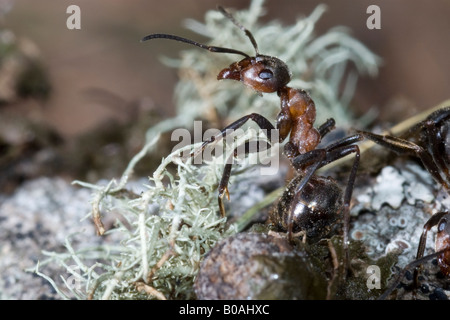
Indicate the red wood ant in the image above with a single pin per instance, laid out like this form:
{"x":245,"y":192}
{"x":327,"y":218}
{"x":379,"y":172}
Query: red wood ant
{"x":266,"y":74}
{"x":310,"y":202}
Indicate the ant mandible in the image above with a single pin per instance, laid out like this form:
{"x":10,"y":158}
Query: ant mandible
{"x":267,"y":74}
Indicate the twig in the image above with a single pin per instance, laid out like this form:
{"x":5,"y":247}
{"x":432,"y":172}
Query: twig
{"x":335,"y":261}
{"x":159,"y":264}
{"x":141,"y":286}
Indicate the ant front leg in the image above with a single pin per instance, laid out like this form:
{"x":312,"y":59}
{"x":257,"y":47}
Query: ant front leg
{"x":223,"y":185}
{"x":260,"y":120}
{"x":263,"y":123}
{"x":326,"y":127}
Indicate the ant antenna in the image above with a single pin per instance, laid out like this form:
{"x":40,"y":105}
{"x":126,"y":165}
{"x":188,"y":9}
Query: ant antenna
{"x":240,"y":26}
{"x":200,"y":45}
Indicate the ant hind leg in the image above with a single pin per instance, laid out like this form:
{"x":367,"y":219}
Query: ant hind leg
{"x":402,"y":146}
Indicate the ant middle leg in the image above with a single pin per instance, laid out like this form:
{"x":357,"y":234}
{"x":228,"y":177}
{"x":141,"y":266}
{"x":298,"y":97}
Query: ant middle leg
{"x":442,"y":247}
{"x":310,"y":162}
{"x":263,"y":124}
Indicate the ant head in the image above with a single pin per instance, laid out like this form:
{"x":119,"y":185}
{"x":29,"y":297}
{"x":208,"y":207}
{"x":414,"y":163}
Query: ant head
{"x":261,"y":73}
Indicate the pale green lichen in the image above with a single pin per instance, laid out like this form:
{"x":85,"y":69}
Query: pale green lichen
{"x":163,"y":233}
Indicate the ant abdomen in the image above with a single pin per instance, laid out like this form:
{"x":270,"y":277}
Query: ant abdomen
{"x":315,"y":209}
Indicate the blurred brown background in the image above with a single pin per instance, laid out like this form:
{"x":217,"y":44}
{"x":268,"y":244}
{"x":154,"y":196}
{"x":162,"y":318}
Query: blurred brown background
{"x":106,"y":54}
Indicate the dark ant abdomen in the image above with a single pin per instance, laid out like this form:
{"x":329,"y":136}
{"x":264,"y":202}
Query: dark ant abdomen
{"x":315,"y":209}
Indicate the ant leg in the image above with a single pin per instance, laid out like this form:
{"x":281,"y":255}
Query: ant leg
{"x":321,"y":157}
{"x":308,"y":158}
{"x":342,"y":152}
{"x":435,"y":138}
{"x":223,"y":185}
{"x":434,"y":220}
{"x":402,"y":146}
{"x":317,"y":158}
{"x":413,"y":264}
{"x":260,"y":120}
{"x":326,"y":127}
{"x":264,"y":124}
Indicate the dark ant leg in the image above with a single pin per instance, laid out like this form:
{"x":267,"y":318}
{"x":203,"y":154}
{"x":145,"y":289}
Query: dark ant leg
{"x":413,"y":264}
{"x":326,"y":127}
{"x":323,"y":157}
{"x":260,"y":120}
{"x":434,"y":220}
{"x":319,"y":158}
{"x":435,"y":138}
{"x":263,"y":123}
{"x":442,"y":247}
{"x":402,"y":146}
{"x":308,"y":158}
{"x":223,"y":185}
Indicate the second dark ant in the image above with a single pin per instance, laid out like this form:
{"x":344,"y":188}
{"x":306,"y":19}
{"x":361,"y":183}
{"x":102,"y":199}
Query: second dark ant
{"x":311,"y":203}
{"x":434,"y":132}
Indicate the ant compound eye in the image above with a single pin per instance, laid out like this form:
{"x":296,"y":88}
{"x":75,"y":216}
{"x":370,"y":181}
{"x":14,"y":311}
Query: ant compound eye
{"x":266,"y":74}
{"x":442,"y":225}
